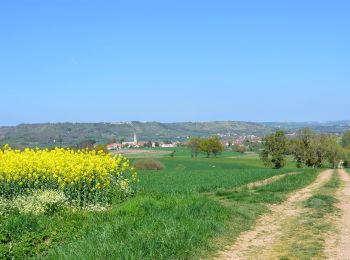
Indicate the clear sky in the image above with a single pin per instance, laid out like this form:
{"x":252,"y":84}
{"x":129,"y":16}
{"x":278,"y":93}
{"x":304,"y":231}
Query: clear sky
{"x":183,"y":60}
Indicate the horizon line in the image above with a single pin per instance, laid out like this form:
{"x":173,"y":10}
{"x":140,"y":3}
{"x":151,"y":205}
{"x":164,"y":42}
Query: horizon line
{"x":174,"y":122}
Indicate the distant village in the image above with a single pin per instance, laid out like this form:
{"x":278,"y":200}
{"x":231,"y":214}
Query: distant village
{"x":138,"y":144}
{"x":244,"y":141}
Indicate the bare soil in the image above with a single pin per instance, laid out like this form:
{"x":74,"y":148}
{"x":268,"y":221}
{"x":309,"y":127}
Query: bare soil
{"x":338,"y":243}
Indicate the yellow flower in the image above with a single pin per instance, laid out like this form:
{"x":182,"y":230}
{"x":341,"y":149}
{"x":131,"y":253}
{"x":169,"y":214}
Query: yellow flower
{"x":77,"y":172}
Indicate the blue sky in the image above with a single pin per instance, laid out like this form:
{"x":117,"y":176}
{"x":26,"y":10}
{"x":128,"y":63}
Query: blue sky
{"x":93,"y":61}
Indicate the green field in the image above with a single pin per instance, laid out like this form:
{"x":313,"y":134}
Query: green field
{"x":180,"y":212}
{"x":186,"y":175}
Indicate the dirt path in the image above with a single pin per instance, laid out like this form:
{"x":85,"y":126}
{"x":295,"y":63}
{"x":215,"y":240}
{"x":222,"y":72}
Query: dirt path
{"x":264,"y":182}
{"x":343,"y":251}
{"x":255,"y":244}
{"x":339,"y":247}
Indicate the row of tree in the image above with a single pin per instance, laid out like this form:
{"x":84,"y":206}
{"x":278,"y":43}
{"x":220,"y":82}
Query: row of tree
{"x":210,"y":146}
{"x":308,"y":149}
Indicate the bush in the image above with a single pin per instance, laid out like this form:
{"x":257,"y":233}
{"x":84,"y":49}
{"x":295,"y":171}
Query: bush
{"x":148,"y":164}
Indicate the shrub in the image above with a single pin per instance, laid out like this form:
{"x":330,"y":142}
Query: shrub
{"x":148,"y":164}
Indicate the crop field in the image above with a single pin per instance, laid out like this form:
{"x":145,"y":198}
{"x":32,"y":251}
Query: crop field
{"x":204,"y":175}
{"x":191,"y":209}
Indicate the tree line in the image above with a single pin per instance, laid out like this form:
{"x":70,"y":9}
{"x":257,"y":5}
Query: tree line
{"x":210,"y":146}
{"x":307,"y":148}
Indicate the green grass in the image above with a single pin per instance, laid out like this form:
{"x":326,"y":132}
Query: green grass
{"x":25,"y":235}
{"x":275,"y":192}
{"x":201,"y":181}
{"x":184,"y":152}
{"x":186,"y":174}
{"x":171,"y":217}
{"x":149,"y":227}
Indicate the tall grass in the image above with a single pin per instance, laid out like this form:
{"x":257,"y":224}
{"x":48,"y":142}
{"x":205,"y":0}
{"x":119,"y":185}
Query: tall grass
{"x":149,"y":227}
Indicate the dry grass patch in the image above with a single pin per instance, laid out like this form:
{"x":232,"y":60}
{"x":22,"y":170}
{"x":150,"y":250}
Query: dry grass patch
{"x":148,"y":164}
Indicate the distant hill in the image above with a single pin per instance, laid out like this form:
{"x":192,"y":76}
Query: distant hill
{"x":42,"y":135}
{"x":333,"y":127}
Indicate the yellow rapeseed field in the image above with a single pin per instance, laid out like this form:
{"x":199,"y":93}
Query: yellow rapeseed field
{"x":84,"y":176}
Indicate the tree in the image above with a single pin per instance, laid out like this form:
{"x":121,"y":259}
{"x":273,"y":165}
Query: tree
{"x":239,"y":148}
{"x":205,"y":147}
{"x":304,"y":148}
{"x":215,"y":145}
{"x":252,"y":146}
{"x":274,"y":151}
{"x":313,"y":150}
{"x":193,"y":145}
{"x":334,"y":152}
{"x":346,"y":140}
{"x":211,"y":145}
{"x":321,"y":149}
{"x":346,"y":159}
{"x":148,"y":144}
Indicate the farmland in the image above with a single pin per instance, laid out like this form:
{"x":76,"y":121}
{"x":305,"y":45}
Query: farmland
{"x":191,"y":209}
{"x":174,"y":130}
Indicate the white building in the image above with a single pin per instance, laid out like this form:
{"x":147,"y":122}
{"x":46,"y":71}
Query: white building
{"x":134,"y":143}
{"x":168,"y":145}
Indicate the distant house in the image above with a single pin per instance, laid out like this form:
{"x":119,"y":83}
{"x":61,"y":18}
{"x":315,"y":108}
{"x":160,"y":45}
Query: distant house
{"x":163,"y":145}
{"x":137,"y":145}
{"x":114,"y":146}
{"x":140,"y":144}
